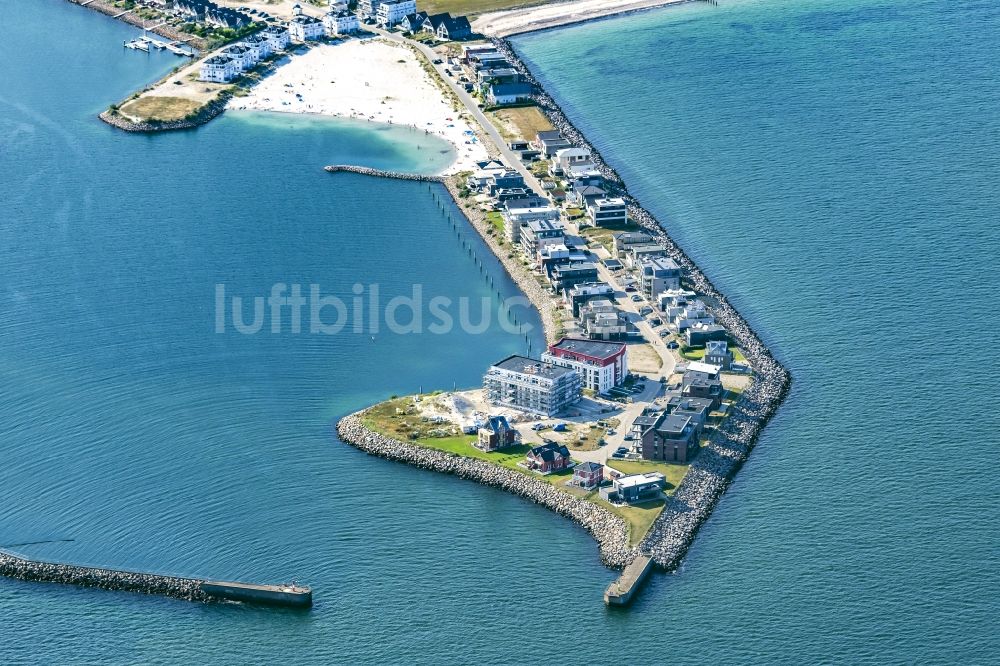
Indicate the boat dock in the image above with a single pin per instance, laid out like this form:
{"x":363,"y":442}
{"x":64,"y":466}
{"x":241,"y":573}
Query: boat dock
{"x":177,"y":587}
{"x":621,"y":592}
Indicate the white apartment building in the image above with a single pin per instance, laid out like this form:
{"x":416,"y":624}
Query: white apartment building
{"x":218,"y":69}
{"x":304,"y":28}
{"x":391,"y":12}
{"x":340,"y":23}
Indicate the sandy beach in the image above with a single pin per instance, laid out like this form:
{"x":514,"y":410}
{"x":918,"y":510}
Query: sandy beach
{"x":540,"y":17}
{"x":367,"y":79}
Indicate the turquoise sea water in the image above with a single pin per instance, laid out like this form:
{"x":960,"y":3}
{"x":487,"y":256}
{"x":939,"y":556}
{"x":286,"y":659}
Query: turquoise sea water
{"x":831,"y":165}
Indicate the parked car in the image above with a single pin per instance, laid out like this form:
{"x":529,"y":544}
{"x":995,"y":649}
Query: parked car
{"x":636,"y":298}
{"x":655,"y":321}
{"x":672,"y":344}
{"x":646,"y":310}
{"x":629,"y":437}
{"x":559,"y":427}
{"x":618,"y":456}
{"x":621,"y":449}
{"x":630,"y":288}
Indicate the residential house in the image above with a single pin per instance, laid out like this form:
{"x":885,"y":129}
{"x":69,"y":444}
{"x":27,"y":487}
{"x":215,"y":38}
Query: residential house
{"x":218,"y":69}
{"x":340,"y":23}
{"x":532,"y":386}
{"x":507,"y":193}
{"x":260,"y":45}
{"x":635,"y":488}
{"x":699,"y":335}
{"x":483,"y":172}
{"x":602,"y":320}
{"x":636,"y":254}
{"x":445,"y":26}
{"x":697,"y":409}
{"x":607,"y":211}
{"x":683,"y":317}
{"x":585,"y":195}
{"x":626,"y":239}
{"x":518,"y":212}
{"x":536,"y":234}
{"x":495,"y":434}
{"x":549,"y":142}
{"x":548,"y":458}
{"x":392,"y":12}
{"x":717,"y":353}
{"x":568,"y":161}
{"x":672,"y":438}
{"x":304,"y":28}
{"x":471,"y":51}
{"x":695,"y":384}
{"x":657,"y":275}
{"x":277,"y":36}
{"x":566,"y":276}
{"x":243,"y":58}
{"x":602,"y":365}
{"x":413,"y":22}
{"x":368,"y":10}
{"x":588,"y":474}
{"x":503,"y":180}
{"x":588,"y":291}
{"x":502,"y":94}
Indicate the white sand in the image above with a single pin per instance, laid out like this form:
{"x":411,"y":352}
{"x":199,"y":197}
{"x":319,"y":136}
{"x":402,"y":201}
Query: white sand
{"x":538,"y":17}
{"x":365,"y":79}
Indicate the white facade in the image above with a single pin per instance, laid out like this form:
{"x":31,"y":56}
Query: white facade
{"x":392,"y":12}
{"x":218,"y":69}
{"x":573,"y":160}
{"x":260,"y":45}
{"x":242,"y":57}
{"x":305,"y":28}
{"x":278,"y":37}
{"x":340,"y":23}
{"x":608,"y":211}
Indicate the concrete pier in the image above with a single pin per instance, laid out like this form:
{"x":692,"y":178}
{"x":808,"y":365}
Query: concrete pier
{"x":621,"y":592}
{"x":189,"y":589}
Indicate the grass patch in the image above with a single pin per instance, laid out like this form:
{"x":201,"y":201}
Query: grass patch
{"x":673,"y":473}
{"x":158,"y":108}
{"x":496,"y":221}
{"x":407,"y":425}
{"x":692,"y":354}
{"x":473,"y":7}
{"x":525,"y":122}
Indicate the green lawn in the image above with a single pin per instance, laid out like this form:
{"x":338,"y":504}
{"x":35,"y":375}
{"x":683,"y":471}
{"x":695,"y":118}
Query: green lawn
{"x":692,"y":354}
{"x":496,"y":221}
{"x":674,"y":473}
{"x":383,"y":418}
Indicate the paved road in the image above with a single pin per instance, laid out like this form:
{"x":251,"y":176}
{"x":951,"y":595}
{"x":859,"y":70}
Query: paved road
{"x":511,"y":158}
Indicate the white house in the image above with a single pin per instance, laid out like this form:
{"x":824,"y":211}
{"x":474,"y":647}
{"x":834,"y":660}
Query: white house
{"x":260,"y":45}
{"x":500,"y":94}
{"x":391,"y":12}
{"x":243,"y":58}
{"x":338,"y":6}
{"x":608,"y":211}
{"x":572,"y":160}
{"x":218,"y":69}
{"x":304,"y":28}
{"x":277,"y":36}
{"x":340,"y":23}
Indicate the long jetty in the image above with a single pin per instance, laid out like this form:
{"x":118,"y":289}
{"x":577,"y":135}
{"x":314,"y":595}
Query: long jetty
{"x":176,"y":587}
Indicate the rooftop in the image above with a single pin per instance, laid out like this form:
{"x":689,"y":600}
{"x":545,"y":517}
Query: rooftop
{"x":531,"y":366}
{"x":592,"y":348}
{"x":640,"y":479}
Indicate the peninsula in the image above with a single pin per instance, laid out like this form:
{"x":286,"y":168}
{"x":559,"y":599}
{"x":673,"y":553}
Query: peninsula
{"x":652,"y":389}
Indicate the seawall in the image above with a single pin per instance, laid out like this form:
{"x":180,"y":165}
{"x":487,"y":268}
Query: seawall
{"x":176,"y":587}
{"x":716,"y":465}
{"x":205,"y":114}
{"x":610,"y":531}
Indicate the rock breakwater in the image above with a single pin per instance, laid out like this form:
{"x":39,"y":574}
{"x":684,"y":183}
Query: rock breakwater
{"x":202,"y":116}
{"x":20,"y":568}
{"x":731,"y":444}
{"x":610,"y":531}
{"x":381,"y":173}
